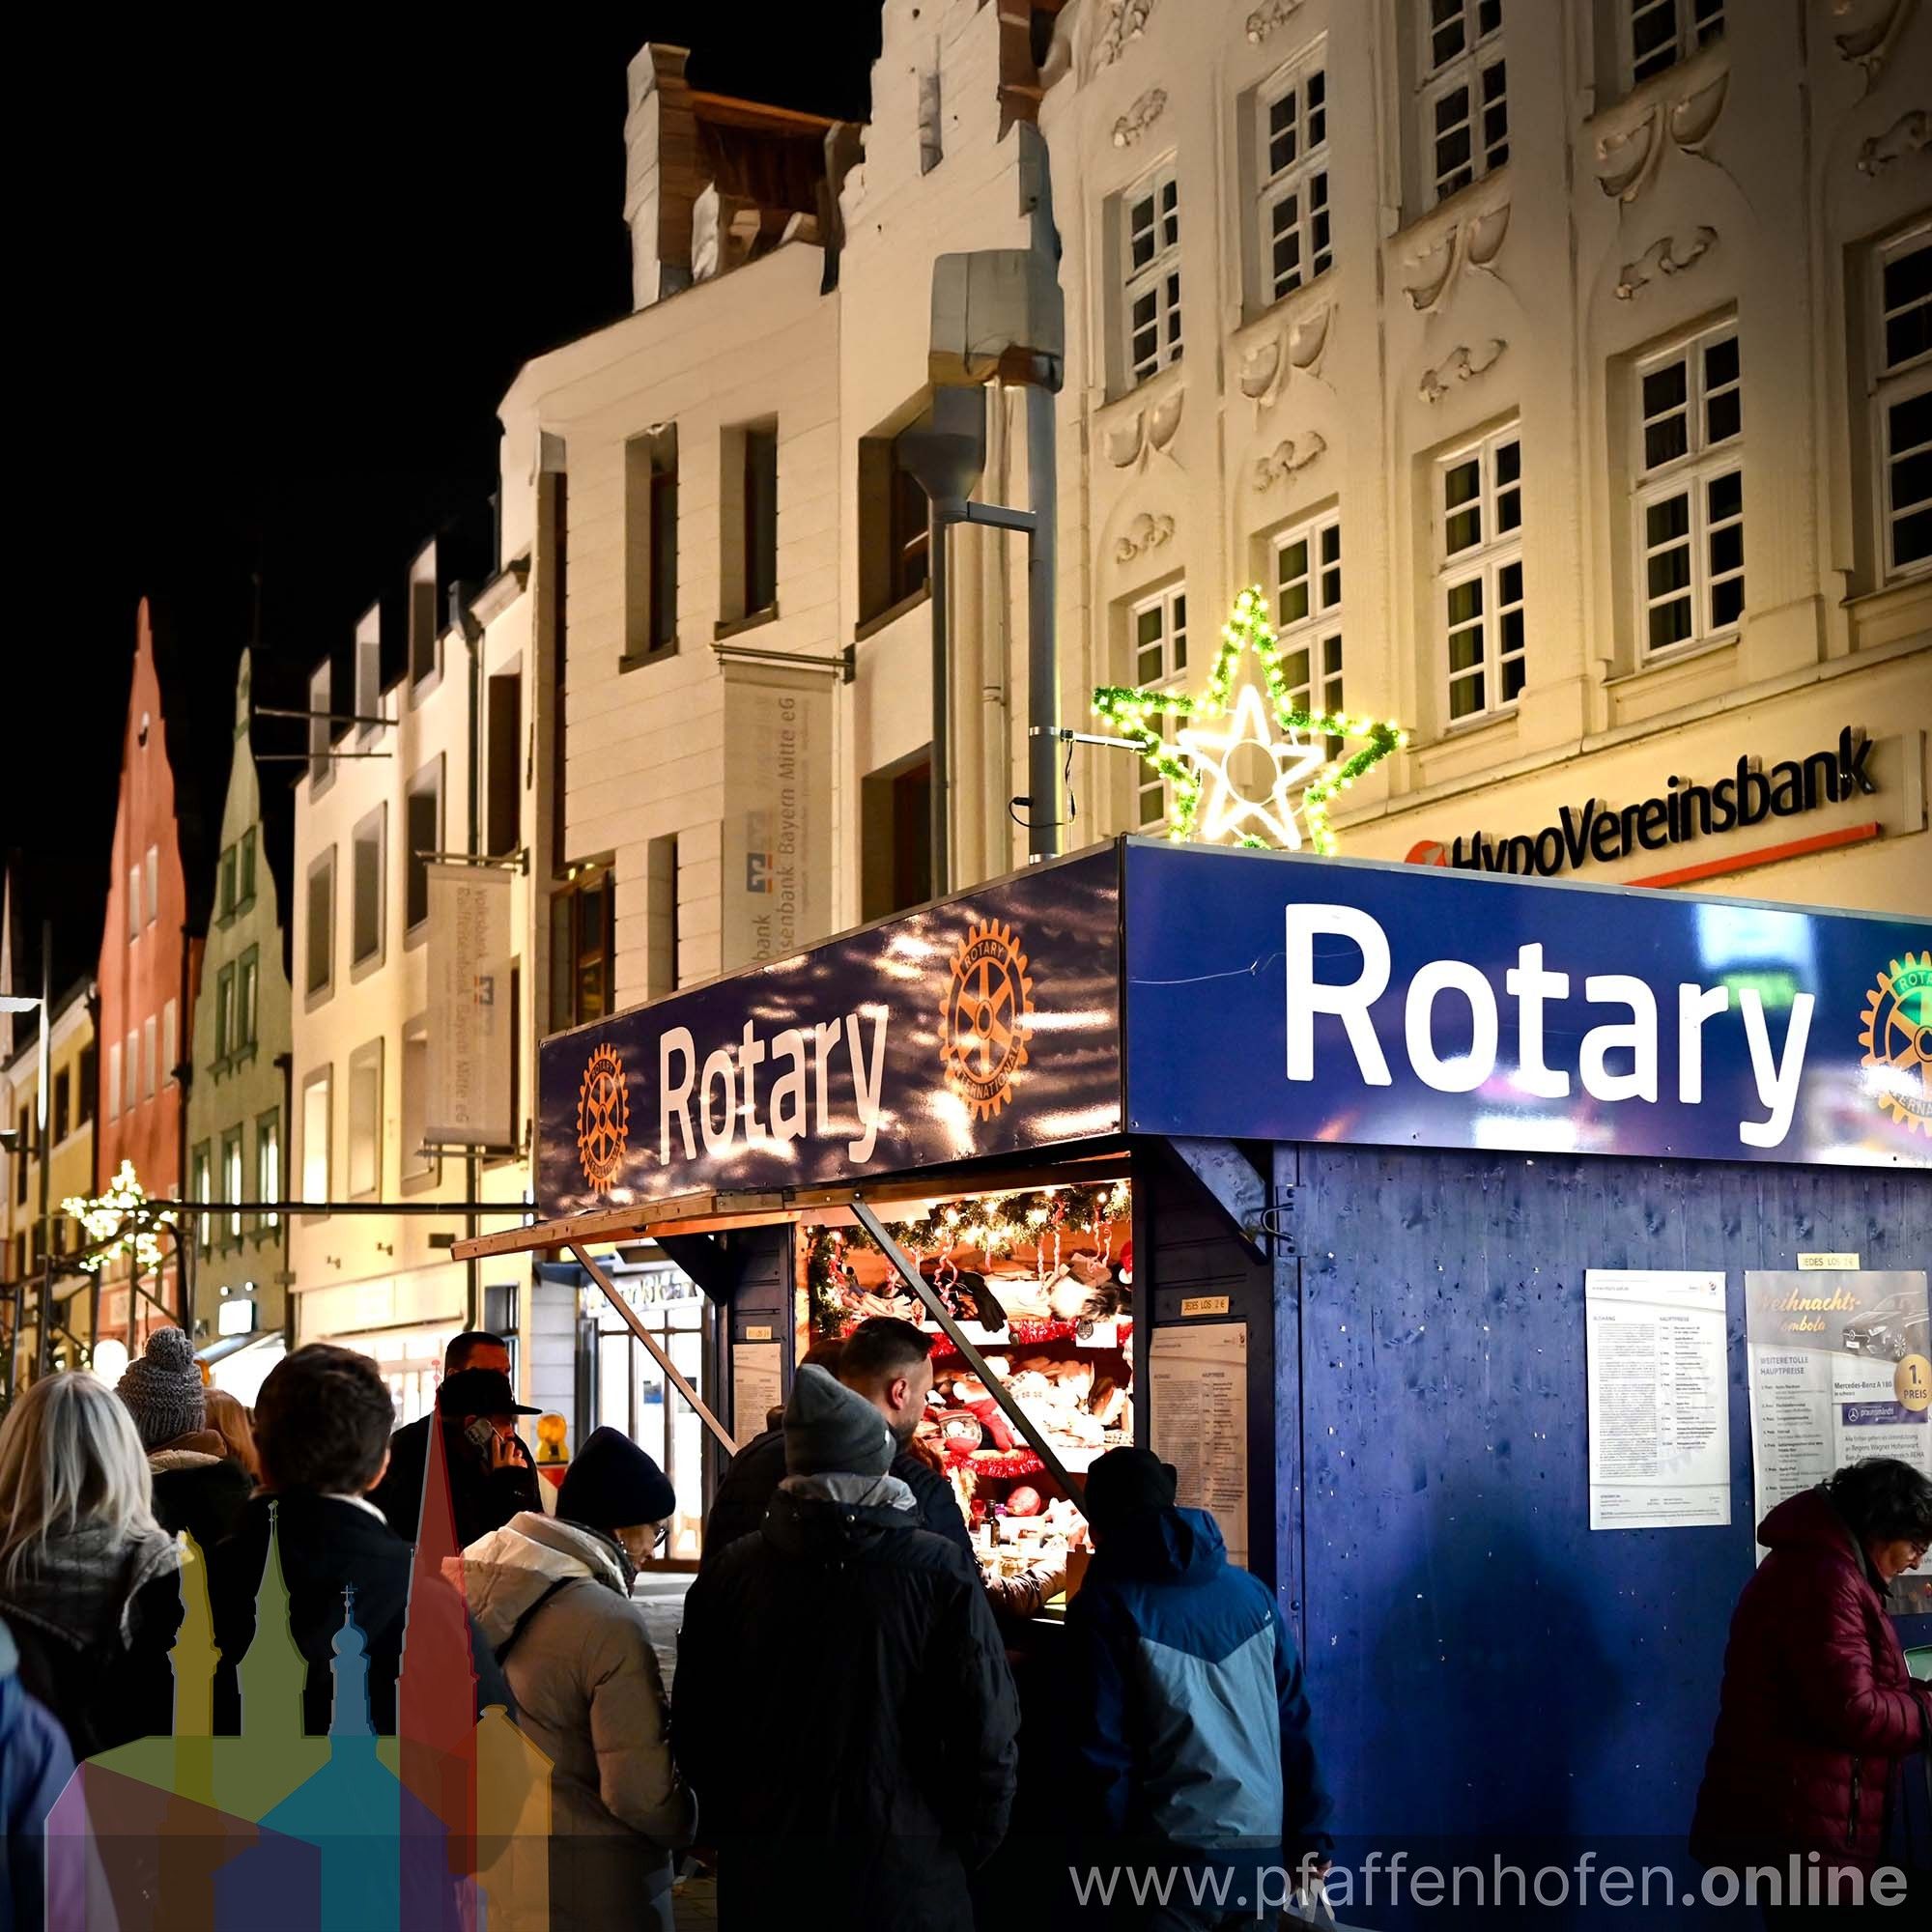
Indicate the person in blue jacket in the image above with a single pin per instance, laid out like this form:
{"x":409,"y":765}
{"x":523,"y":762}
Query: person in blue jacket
{"x":1193,"y":1752}
{"x":35,"y":1766}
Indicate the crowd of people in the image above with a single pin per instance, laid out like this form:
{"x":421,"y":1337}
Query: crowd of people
{"x":844,"y":1728}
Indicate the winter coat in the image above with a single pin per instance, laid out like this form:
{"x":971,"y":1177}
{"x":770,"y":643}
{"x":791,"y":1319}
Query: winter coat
{"x":198,"y":1488}
{"x":888,"y":1773}
{"x":1817,"y":1708}
{"x":325,"y":1544}
{"x":1190,"y":1725}
{"x":590,"y":1697}
{"x":753,"y":1476}
{"x":95,"y":1622}
{"x":481,"y":1498}
{"x":35,"y":1766}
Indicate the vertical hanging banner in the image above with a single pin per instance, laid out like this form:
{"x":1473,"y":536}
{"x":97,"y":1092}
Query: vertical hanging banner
{"x":778,"y":812}
{"x":470,"y":1019}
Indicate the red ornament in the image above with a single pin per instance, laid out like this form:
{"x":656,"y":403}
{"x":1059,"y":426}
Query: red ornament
{"x":1025,"y":1501}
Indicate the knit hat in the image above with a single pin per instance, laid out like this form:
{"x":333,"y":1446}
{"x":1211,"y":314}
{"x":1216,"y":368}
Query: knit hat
{"x":479,"y":1392}
{"x":831,"y":1429}
{"x":614,"y":1485}
{"x":1125,"y":1481}
{"x":162,"y":1390}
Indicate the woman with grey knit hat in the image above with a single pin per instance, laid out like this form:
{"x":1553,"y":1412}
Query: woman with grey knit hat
{"x":198,"y":1487}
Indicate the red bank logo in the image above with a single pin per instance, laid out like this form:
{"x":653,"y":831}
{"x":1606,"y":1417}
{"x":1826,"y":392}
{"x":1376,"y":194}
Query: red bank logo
{"x":1428,"y":852}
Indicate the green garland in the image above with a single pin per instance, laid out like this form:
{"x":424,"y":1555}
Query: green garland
{"x":1128,"y":708}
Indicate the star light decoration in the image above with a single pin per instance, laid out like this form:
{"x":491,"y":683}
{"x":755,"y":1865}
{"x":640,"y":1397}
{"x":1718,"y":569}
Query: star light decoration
{"x":125,"y":1216}
{"x":1197,"y":763}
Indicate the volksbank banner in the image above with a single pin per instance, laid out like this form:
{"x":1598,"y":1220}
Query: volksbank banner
{"x":1293,"y":997}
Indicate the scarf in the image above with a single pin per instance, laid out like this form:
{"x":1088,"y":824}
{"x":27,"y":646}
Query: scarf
{"x":82,"y":1586}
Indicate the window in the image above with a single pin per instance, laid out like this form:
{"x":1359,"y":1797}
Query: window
{"x":1479,"y":579}
{"x":152,"y":870}
{"x":83,"y":1097}
{"x":1664,"y":32}
{"x":315,"y":1135}
{"x":170,"y":1052}
{"x":319,"y":972}
{"x":368,"y":672}
{"x":504,"y":805}
{"x":892,"y":526}
{"x":201,"y":1169}
{"x":1157,"y":631}
{"x":425,"y":831}
{"x":1149,"y":243}
{"x":150,"y":1054}
{"x":1293,"y":142}
{"x":227,"y":897}
{"x":1688,"y":506}
{"x":365,"y":1119}
{"x":760,"y":536}
{"x":1308,"y":616}
{"x":321,"y":766}
{"x":63,"y":1088}
{"x":224,"y":1015}
{"x":247,"y":981}
{"x":422,"y":626}
{"x":661,"y":915}
{"x":895,"y":836}
{"x":413,"y":1161}
{"x":230,"y":1182}
{"x":650,"y":542}
{"x":246,"y":892}
{"x":581,"y":958}
{"x":1464,"y":92}
{"x":365,"y":911}
{"x":114,"y":1080}
{"x":130,"y":1095}
{"x":269,"y":1165}
{"x":1902,"y":405}
{"x":23,"y":1148}
{"x":134,"y":902}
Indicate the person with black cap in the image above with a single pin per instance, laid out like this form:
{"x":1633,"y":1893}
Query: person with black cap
{"x":1170,"y":1642}
{"x":553,"y":1599}
{"x":491,"y":1475}
{"x":873,"y":1636}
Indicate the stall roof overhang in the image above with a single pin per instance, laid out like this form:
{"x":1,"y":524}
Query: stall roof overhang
{"x":1149,"y":988}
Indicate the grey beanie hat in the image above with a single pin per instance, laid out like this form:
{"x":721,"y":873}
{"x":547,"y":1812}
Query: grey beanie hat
{"x":162,"y":1390}
{"x":831,"y":1429}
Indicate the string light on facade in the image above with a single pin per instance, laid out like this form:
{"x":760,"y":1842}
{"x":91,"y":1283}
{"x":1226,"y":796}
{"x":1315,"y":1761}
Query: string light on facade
{"x":1196,"y":764}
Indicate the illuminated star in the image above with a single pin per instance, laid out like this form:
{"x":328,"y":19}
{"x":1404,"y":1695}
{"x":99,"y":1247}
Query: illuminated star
{"x":1228,"y":809}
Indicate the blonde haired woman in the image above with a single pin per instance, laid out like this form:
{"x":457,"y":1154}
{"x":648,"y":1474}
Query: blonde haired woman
{"x":89,"y":1580}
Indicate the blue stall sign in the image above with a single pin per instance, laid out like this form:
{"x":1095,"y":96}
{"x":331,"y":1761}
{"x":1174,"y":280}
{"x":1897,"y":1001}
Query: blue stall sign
{"x":983,"y":1025}
{"x":1294,"y":998}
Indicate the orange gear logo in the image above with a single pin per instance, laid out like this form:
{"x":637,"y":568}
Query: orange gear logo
{"x":1897,"y":1041}
{"x":984,"y":1019}
{"x":603,"y":1116}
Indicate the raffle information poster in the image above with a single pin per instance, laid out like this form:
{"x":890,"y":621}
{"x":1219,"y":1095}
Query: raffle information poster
{"x":1838,"y":1373}
{"x":1660,"y":1409}
{"x":1199,"y":1372}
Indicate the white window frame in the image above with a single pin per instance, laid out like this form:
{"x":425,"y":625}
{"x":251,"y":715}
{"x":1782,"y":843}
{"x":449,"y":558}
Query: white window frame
{"x":316,"y":1163}
{"x":1892,"y":385}
{"x":315,"y":994}
{"x":368,"y":680}
{"x":1170,"y":602}
{"x":366,"y":1096}
{"x":428,"y":782}
{"x":268,"y":1163}
{"x":1468,"y":69}
{"x":1692,"y":476}
{"x":321,"y":766}
{"x":232,"y":1184}
{"x":1157,"y":277}
{"x":371,"y":829}
{"x":202,"y":1182}
{"x":1321,"y":625}
{"x":1694,"y":25}
{"x":1297,"y":177}
{"x":1487,"y":562}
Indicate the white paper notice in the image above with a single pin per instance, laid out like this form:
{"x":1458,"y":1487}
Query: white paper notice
{"x":1660,"y":1406}
{"x":1199,"y":1421}
{"x":756,"y":1386}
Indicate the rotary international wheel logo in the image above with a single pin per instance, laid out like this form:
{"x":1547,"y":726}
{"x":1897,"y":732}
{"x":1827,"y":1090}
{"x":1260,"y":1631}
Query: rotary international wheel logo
{"x":1897,"y":1041}
{"x":984,"y":1023}
{"x":603,"y":1116}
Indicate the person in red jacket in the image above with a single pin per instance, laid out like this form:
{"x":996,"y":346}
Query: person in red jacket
{"x":1818,"y":1711}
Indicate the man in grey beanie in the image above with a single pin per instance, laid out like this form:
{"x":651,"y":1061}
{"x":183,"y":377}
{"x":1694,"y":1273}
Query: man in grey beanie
{"x":880,"y":1632}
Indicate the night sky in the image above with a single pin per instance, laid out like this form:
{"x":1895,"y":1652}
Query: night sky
{"x":277,"y":283}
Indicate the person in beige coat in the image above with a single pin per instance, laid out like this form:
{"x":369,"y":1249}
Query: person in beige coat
{"x":553,"y":1599}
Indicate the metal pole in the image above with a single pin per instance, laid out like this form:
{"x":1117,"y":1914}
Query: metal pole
{"x":472,"y":632}
{"x":941,"y":817}
{"x":650,"y":1341}
{"x":1042,"y":644}
{"x":956,"y":1335}
{"x":43,"y":1341}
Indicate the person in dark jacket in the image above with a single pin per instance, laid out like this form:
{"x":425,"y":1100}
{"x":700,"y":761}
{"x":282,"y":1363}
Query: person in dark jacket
{"x":35,"y":1766}
{"x":89,"y":1581}
{"x":876,"y":1636}
{"x":1818,"y":1711}
{"x":491,"y":1475}
{"x":890,"y":1363}
{"x":321,"y":1430}
{"x":1192,"y":1741}
{"x":197,"y":1487}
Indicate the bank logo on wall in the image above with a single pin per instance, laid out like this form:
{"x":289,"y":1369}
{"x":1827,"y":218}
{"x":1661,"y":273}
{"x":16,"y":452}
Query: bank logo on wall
{"x":1897,"y":1039}
{"x":603,"y":1116}
{"x":984,"y":1020}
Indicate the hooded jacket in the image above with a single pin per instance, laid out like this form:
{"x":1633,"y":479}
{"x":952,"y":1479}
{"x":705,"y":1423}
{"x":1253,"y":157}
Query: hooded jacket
{"x":198,"y":1487}
{"x":1817,"y":1708}
{"x":892,"y":1776}
{"x":35,"y":1766}
{"x":590,"y":1697}
{"x":95,"y":1621}
{"x":1190,"y":1723}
